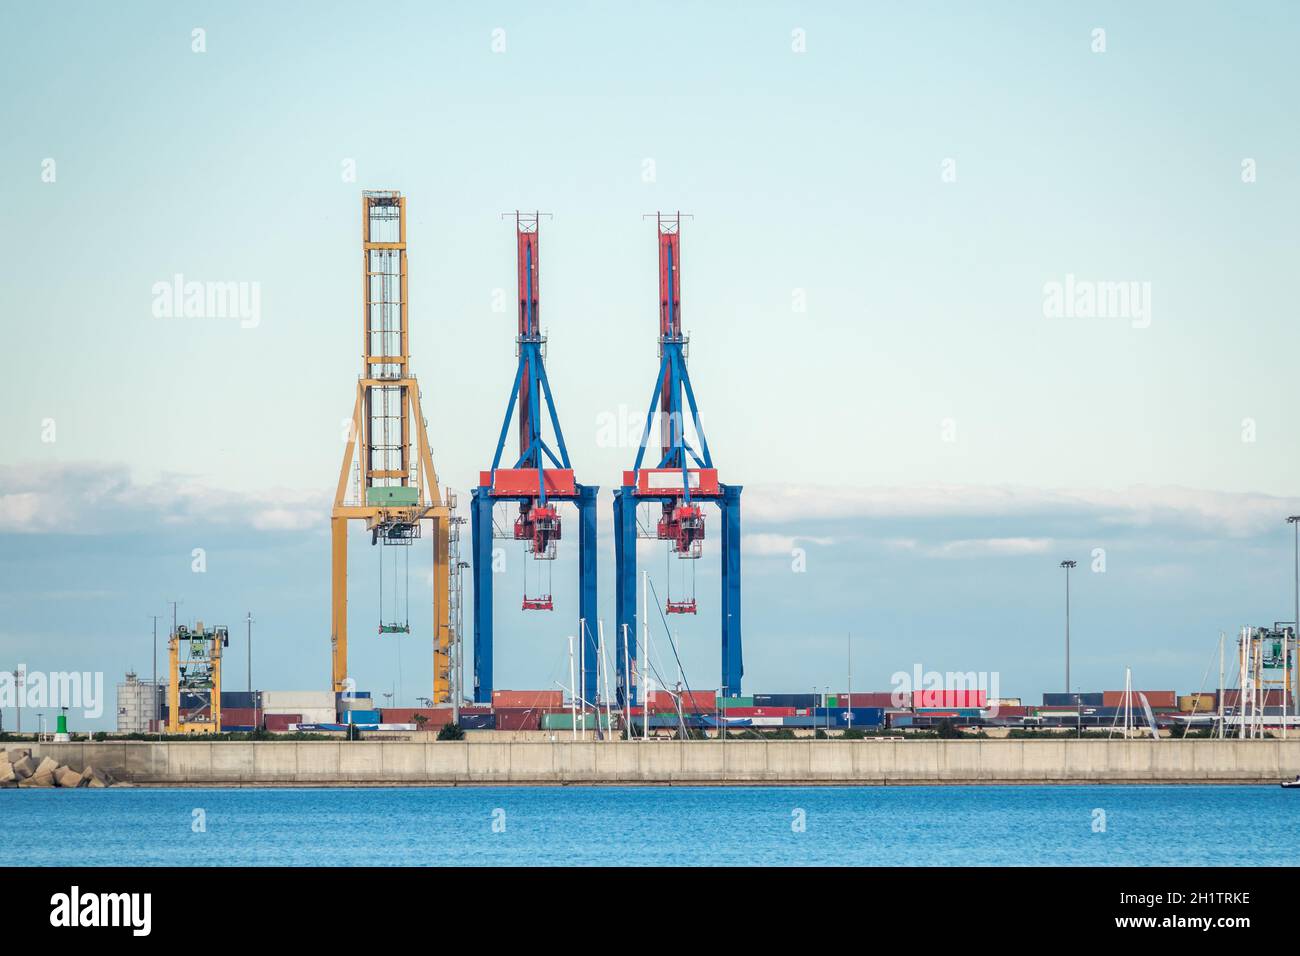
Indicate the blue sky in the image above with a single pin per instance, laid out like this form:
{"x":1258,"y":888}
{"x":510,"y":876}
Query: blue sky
{"x":931,"y":438}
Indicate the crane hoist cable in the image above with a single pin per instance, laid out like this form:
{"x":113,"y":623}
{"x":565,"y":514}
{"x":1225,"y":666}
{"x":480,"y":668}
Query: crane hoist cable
{"x":394,"y":627}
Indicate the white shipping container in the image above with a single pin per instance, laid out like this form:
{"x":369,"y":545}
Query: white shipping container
{"x":296,"y":701}
{"x":308,"y":715}
{"x":356,"y":703}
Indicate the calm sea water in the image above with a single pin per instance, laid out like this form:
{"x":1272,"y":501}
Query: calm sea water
{"x":869,"y":826}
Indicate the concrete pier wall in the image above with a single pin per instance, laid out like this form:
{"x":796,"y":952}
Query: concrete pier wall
{"x":380,"y":763}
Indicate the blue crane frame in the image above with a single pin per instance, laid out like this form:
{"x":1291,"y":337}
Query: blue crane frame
{"x":530,"y":483}
{"x":671,"y":385}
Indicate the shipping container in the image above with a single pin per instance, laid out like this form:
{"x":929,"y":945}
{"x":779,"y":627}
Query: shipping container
{"x":521,"y":718}
{"x":876,"y":698}
{"x":787,"y":700}
{"x":727,"y":703}
{"x":241,"y":716}
{"x":762,"y":711}
{"x":563,"y":720}
{"x":838,"y":717}
{"x":360,"y":716}
{"x":949,"y":698}
{"x":309,"y":715}
{"x":476,"y":721}
{"x":296,"y":701}
{"x":240,"y":698}
{"x":1271,"y":697}
{"x":434,"y":717}
{"x":1197,"y":703}
{"x":1158,"y":699}
{"x":1004,"y":710}
{"x":692,"y":701}
{"x":279,"y":723}
{"x":515,"y":699}
{"x":236,"y":728}
{"x":1090,"y":699}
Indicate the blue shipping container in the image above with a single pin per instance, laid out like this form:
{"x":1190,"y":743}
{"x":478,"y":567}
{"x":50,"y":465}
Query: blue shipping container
{"x":787,"y":700}
{"x":839,"y":716}
{"x":478,"y":721}
{"x":241,"y":699}
{"x":1068,"y":700}
{"x":360,"y":716}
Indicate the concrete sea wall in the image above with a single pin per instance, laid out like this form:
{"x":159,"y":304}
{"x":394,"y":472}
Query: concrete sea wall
{"x":868,"y":762}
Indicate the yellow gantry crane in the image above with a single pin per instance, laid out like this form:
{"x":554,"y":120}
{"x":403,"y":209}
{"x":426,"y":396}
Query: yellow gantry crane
{"x":194,"y":669}
{"x":387,"y":478}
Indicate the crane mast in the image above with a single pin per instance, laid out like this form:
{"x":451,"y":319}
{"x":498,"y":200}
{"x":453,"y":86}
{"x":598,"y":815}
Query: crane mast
{"x":681,"y":482}
{"x":538,"y":481}
{"x":387,"y":478}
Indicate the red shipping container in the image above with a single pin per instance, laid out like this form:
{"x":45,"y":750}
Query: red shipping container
{"x":1158,"y":699}
{"x":518,"y":718}
{"x":1010,"y":711}
{"x":515,"y":699}
{"x":1268,"y":698}
{"x":434,"y":717}
{"x":693,"y":702}
{"x":279,"y":723}
{"x":240,"y":716}
{"x":949,"y":698}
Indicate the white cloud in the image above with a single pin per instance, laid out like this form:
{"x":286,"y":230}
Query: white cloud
{"x":1228,"y":513}
{"x":768,"y":545}
{"x":97,"y":498}
{"x":972,"y":547}
{"x":103,"y":498}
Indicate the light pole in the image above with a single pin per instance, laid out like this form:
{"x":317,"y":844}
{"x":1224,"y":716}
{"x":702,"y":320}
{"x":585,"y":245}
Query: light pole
{"x":154,"y":709}
{"x":722,"y":722}
{"x":1067,"y":565}
{"x":248,"y":618}
{"x":1294,"y":522}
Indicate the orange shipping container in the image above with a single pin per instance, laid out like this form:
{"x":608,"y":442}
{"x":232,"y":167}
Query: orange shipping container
{"x":1158,"y":699}
{"x":517,"y":699}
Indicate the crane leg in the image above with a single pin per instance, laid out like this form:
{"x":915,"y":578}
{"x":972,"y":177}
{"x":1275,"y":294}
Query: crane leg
{"x":339,"y":603}
{"x":733,"y":668}
{"x":441,"y":612}
{"x":625,"y":593}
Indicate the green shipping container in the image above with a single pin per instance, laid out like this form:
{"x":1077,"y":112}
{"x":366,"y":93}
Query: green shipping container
{"x":394,"y":496}
{"x":832,"y":701}
{"x":726,"y":702}
{"x":564,"y":721}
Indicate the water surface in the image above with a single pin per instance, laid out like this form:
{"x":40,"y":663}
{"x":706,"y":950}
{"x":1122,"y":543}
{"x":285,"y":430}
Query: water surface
{"x":747,"y":826}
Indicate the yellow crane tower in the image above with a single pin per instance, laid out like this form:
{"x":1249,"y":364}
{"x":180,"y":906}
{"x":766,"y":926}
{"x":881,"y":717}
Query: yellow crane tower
{"x":387,"y":478}
{"x":194,"y":670}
